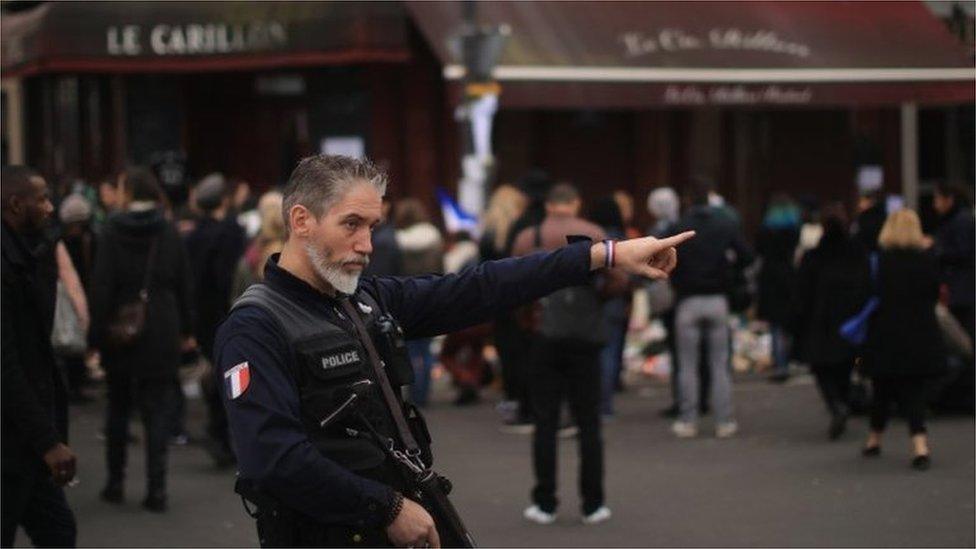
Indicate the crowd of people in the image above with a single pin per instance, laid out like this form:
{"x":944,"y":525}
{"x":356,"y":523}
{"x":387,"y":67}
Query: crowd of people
{"x":132,"y":284}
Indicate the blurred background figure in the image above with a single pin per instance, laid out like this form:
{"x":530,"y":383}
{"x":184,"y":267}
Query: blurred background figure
{"x":75,"y":213}
{"x":214,"y":248}
{"x":871,"y":212}
{"x":422,"y":252}
{"x":954,"y":248}
{"x":810,"y":228}
{"x":625,"y":203}
{"x":616,"y":310}
{"x":269,"y":240}
{"x":664,"y":205}
{"x":505,"y":206}
{"x":904,"y":349}
{"x":702,"y":283}
{"x":36,"y":461}
{"x":140,"y":251}
{"x":776,"y":246}
{"x":385,"y":259}
{"x":510,"y":210}
{"x":833,"y":284}
{"x":565,"y":363}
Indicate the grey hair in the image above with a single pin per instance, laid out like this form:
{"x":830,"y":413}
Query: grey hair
{"x":320,"y":181}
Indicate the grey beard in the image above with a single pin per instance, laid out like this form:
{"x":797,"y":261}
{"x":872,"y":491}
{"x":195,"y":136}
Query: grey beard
{"x":332,"y":272}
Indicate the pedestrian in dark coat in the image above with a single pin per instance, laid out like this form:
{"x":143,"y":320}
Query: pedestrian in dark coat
{"x":904,"y":347}
{"x":955,"y":247}
{"x":214,"y":247}
{"x":36,"y":462}
{"x":833,"y":283}
{"x":145,"y":373}
{"x":776,"y":244}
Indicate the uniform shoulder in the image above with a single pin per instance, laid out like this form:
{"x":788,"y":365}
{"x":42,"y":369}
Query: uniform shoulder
{"x":250,"y":321}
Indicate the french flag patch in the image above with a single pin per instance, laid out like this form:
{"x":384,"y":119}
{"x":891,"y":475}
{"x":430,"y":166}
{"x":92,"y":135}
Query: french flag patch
{"x":237,"y":380}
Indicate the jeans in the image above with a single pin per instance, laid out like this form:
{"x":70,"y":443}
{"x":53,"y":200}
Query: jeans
{"x":611,"y":362}
{"x":423,"y":361}
{"x":155,"y":399}
{"x":566,"y":369}
{"x":781,"y":349}
{"x":31,"y":500}
{"x":697,"y":318}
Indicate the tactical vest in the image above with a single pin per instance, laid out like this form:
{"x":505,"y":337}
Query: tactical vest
{"x":325,"y":360}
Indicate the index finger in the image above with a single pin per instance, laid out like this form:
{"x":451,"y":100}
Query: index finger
{"x":433,"y":538}
{"x":675,"y":240}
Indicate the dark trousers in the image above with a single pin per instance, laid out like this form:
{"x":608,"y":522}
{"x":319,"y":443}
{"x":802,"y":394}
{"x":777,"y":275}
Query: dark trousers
{"x":217,"y":427}
{"x":834,"y":383}
{"x":908,"y":392}
{"x":76,"y":374}
{"x":514,"y":346}
{"x":31,"y":500}
{"x":155,"y":399}
{"x":566,"y":369}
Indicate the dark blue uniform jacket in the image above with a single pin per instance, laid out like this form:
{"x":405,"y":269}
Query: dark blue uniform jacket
{"x":270,"y":441}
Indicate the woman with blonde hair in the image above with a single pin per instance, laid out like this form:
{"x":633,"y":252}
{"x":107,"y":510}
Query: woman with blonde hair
{"x":904,"y":347}
{"x":505,"y":206}
{"x":270,"y":240}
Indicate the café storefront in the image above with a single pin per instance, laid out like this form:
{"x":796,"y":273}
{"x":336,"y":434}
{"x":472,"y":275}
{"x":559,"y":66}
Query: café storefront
{"x":761,"y":96}
{"x":246,"y":88}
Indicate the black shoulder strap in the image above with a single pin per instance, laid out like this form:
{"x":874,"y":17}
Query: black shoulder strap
{"x":392,"y":404}
{"x":150,"y":267}
{"x":538,"y":237}
{"x":293,"y":319}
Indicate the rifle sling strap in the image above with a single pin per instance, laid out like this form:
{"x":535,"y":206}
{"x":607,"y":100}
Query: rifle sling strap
{"x":392,"y":403}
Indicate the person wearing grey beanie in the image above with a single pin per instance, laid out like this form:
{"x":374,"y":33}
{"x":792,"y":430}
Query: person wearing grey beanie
{"x":75,"y":209}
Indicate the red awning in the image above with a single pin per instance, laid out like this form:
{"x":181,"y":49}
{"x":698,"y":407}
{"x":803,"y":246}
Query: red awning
{"x":199,"y":36}
{"x":645,"y":54}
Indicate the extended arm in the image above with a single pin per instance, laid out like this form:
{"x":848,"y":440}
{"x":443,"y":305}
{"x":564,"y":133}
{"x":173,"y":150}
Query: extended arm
{"x":431,"y":305}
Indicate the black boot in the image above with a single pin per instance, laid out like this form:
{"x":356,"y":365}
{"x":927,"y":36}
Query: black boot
{"x":155,"y":500}
{"x":838,"y":424}
{"x":112,"y":493}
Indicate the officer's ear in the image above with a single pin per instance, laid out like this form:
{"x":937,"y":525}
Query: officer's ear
{"x":301,"y":221}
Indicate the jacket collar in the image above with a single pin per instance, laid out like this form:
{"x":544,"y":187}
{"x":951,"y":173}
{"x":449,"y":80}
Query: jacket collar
{"x":296,"y":288}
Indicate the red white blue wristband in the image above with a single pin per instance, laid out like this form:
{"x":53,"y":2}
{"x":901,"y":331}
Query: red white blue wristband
{"x":609,"y":260}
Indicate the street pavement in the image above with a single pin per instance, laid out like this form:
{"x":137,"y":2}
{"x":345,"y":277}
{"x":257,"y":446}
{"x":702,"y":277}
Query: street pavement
{"x":778,"y":483}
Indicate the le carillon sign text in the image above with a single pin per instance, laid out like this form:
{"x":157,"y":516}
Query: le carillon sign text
{"x":195,"y":39}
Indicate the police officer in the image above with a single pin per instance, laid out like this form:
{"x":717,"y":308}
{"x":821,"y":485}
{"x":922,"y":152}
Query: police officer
{"x":297,"y":350}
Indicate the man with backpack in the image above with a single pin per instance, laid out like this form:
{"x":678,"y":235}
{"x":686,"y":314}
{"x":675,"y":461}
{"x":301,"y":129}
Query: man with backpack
{"x":565,"y":362}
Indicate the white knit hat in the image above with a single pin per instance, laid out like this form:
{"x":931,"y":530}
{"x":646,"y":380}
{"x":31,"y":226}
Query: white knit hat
{"x":74,"y":208}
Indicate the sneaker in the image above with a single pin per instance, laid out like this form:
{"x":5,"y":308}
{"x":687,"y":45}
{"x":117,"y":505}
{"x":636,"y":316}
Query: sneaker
{"x":684,"y":429}
{"x":112,"y":493}
{"x":155,"y":502}
{"x":726,"y":429}
{"x":600,"y":515}
{"x":538,"y":516}
{"x":518,"y":428}
{"x":181,"y":439}
{"x":568,"y":431}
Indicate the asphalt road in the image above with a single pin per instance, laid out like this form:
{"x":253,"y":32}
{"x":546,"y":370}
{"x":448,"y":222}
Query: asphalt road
{"x":779,"y":483}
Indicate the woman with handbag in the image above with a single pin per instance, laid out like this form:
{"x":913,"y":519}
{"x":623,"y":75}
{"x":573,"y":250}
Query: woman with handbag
{"x":141,"y":320}
{"x":833,"y":283}
{"x":904,"y":349}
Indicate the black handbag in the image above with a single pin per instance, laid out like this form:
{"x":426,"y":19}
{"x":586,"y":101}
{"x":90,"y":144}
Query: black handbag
{"x":129,"y":321}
